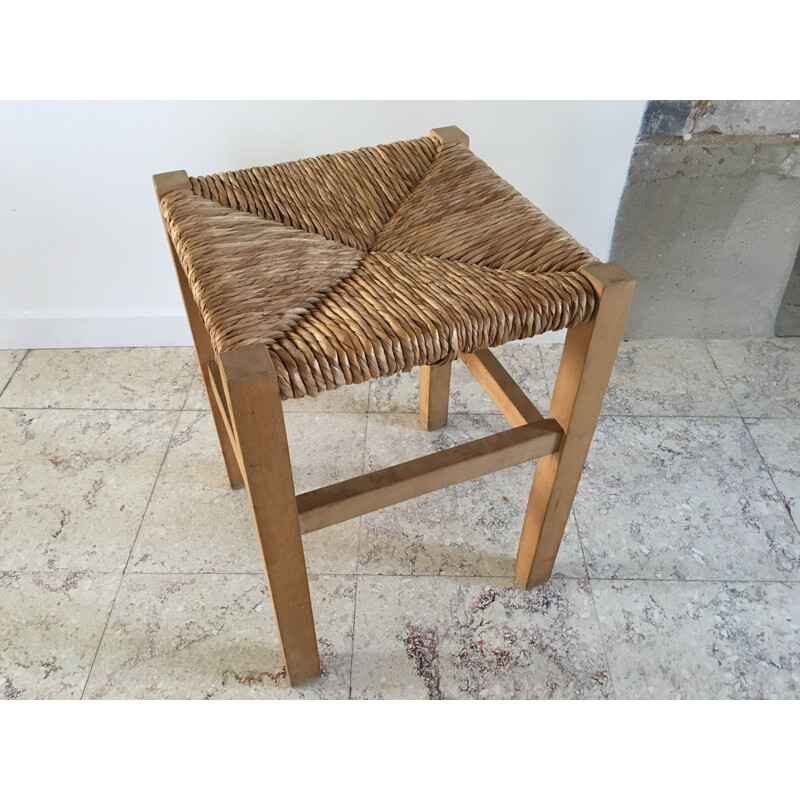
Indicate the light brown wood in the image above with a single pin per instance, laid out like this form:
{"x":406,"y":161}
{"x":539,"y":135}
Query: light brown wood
{"x":450,"y":134}
{"x":218,"y":397}
{"x":510,"y":400}
{"x":166,"y":182}
{"x":253,"y":398}
{"x":434,"y":395}
{"x":385,"y":487}
{"x":586,"y":362}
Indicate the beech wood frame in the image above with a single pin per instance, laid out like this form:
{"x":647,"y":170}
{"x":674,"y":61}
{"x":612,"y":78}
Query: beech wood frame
{"x":245,"y":402}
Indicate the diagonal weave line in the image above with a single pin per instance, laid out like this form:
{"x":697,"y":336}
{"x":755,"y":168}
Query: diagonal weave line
{"x":400,"y":310}
{"x":252,"y":278}
{"x":462,"y":210}
{"x":346,"y":197}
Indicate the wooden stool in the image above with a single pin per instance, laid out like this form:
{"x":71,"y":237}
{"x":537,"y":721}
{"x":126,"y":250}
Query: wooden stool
{"x":306,"y":276}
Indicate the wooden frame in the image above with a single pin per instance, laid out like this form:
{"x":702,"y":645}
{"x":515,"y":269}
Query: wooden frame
{"x":245,"y":401}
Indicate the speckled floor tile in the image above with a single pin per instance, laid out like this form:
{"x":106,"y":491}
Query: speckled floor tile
{"x":400,"y":393}
{"x":672,"y":498}
{"x":213,"y":636}
{"x":196,"y":523}
{"x":75,"y":485}
{"x":9,"y":360}
{"x":701,"y":640}
{"x":659,"y":378}
{"x":138,"y":377}
{"x":50,"y":627}
{"x":763,"y":375}
{"x":471,"y":528}
{"x":448,"y":638}
{"x":551,"y":358}
{"x":351,"y":399}
{"x":778,"y":441}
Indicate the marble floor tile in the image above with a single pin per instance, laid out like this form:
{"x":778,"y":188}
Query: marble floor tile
{"x":400,"y":393}
{"x":763,"y":375}
{"x":448,"y":638}
{"x":196,"y":398}
{"x":352,"y":399}
{"x":471,"y":528}
{"x":50,"y":627}
{"x":213,"y":636}
{"x":551,"y":358}
{"x":75,"y":485}
{"x":672,"y":498}
{"x":778,"y":441}
{"x":659,"y":378}
{"x":9,"y":361}
{"x":123,"y":378}
{"x":701,"y":640}
{"x":196,"y":523}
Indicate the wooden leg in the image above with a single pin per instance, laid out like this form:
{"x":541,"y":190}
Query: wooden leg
{"x":253,"y":396}
{"x":434,"y":395}
{"x":225,"y":444}
{"x":586,"y":363}
{"x":202,"y":341}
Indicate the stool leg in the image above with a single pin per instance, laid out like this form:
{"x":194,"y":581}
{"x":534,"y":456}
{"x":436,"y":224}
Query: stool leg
{"x":166,"y":182}
{"x":205,"y":354}
{"x":586,"y":362}
{"x":434,"y":395}
{"x":251,"y":387}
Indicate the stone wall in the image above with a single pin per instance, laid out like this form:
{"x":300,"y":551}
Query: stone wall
{"x":709,"y":221}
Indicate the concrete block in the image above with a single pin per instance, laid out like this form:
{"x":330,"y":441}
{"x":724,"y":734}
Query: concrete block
{"x":665,"y":117}
{"x":779,"y":160}
{"x":711,"y":254}
{"x":653,"y":160}
{"x":749,"y":117}
{"x":730,"y":117}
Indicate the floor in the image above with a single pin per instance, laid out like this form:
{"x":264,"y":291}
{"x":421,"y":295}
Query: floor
{"x":129,"y":569}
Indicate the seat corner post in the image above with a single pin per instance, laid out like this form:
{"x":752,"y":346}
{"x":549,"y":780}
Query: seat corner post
{"x":587,"y":359}
{"x":450,"y":134}
{"x":165,"y":182}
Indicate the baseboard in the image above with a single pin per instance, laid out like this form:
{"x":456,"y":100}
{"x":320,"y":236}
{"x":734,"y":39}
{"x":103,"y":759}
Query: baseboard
{"x":50,"y":332}
{"x":165,"y":331}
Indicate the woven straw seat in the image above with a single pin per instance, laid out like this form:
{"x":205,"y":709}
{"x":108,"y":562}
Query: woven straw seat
{"x":367,"y":263}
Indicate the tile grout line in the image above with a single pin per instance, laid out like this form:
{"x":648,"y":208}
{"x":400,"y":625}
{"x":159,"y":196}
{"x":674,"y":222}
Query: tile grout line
{"x":722,"y":378}
{"x":594,"y":604}
{"x":783,"y":500}
{"x":132,"y":408}
{"x":405,"y":575}
{"x":135,"y":538}
{"x":752,"y":439}
{"x":545,"y":378}
{"x":14,"y":371}
{"x":394,"y":412}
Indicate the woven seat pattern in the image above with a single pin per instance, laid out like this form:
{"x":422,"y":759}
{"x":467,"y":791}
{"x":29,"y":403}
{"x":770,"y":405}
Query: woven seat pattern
{"x":367,"y":263}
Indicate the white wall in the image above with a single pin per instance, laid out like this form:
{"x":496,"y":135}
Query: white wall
{"x":83,"y":259}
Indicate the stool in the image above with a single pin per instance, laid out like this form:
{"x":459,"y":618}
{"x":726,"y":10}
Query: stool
{"x":306,"y":276}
